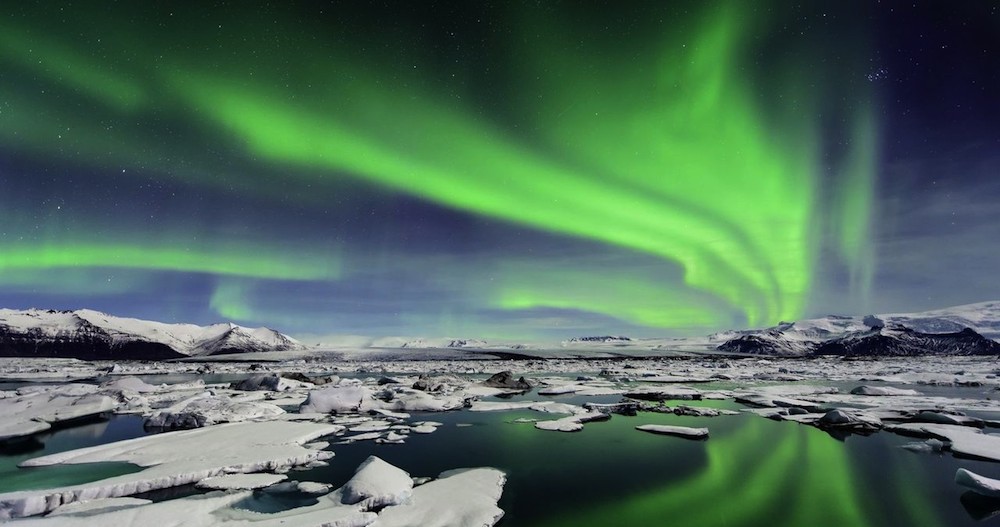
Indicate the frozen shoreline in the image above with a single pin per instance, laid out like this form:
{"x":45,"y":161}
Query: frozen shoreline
{"x":295,"y":412}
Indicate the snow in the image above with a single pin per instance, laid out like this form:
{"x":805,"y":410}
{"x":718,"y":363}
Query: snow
{"x":241,"y":481}
{"x":335,"y":399}
{"x":803,"y":395}
{"x":91,"y":507}
{"x":573,"y":423}
{"x":36,"y":412}
{"x":884,"y":391}
{"x":212,"y":510}
{"x":544,"y":406}
{"x":207,"y":410}
{"x":269,"y":382}
{"x":176,"y":458}
{"x":377,"y":484}
{"x":978,"y":484}
{"x":188,"y":339}
{"x":466,"y":498}
{"x":410,"y":400}
{"x":679,"y":431}
{"x":665,"y":393}
{"x":371,"y":426}
{"x":964,"y":440}
{"x":701,"y":411}
{"x":578,"y":389}
{"x":131,"y":384}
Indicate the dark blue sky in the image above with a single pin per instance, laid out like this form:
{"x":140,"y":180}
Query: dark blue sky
{"x":512,"y":170}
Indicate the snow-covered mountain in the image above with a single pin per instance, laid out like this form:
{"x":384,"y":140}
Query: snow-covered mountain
{"x":983,"y":317}
{"x":902,"y":341}
{"x":89,"y":334}
{"x":944,"y":331}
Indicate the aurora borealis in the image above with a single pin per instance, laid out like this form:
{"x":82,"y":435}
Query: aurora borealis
{"x":509,"y":170}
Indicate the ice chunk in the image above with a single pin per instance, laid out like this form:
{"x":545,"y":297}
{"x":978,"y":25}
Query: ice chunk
{"x":132,"y":384}
{"x":679,"y":431}
{"x":207,"y":411}
{"x":462,"y":497}
{"x":241,"y":481}
{"x":884,"y":391}
{"x":174,"y":459}
{"x":91,"y":507}
{"x":268,"y":382}
{"x":377,"y":484}
{"x":665,"y":393}
{"x":573,"y":423}
{"x":964,"y":440}
{"x":335,"y":399}
{"x":28,"y":414}
{"x":978,"y":484}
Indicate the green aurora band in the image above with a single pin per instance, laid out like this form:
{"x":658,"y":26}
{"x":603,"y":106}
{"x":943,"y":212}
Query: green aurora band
{"x":246,"y":260}
{"x":672,"y":154}
{"x":755,"y":473}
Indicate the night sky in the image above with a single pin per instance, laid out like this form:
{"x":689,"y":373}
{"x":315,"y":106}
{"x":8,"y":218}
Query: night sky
{"x":509,"y":170}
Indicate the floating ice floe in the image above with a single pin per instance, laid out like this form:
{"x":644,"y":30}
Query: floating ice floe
{"x":964,"y":440}
{"x":176,"y":458}
{"x":241,"y":481}
{"x":269,"y":382}
{"x":36,"y":412}
{"x":335,"y":399}
{"x":131,"y":384}
{"x":377,"y":484}
{"x":544,"y":406}
{"x":978,"y":484}
{"x":666,"y":393}
{"x":884,"y":391}
{"x":93,"y":507}
{"x":578,"y":389}
{"x":400,"y":399}
{"x":678,"y":431}
{"x":700,"y":411}
{"x":573,"y":423}
{"x":207,"y":410}
{"x":466,"y":497}
{"x":378,"y":495}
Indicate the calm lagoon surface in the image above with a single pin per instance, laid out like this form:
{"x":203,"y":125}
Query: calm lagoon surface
{"x":89,"y":433}
{"x":751,"y":471}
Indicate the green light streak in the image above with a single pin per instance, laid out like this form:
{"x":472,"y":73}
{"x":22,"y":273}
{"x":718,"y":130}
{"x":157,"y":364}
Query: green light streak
{"x":665,"y":148}
{"x":635,"y":299}
{"x":710,"y":186}
{"x":856,"y":196}
{"x":69,"y":68}
{"x":802,"y":478}
{"x":690,"y":132}
{"x":247,"y":261}
{"x":229,"y":301}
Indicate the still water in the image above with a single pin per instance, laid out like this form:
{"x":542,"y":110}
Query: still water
{"x":750,"y":472}
{"x":95,"y":432}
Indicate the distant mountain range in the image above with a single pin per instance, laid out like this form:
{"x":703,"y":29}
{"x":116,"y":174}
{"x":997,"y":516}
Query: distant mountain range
{"x":962,"y":330}
{"x":87,"y":334}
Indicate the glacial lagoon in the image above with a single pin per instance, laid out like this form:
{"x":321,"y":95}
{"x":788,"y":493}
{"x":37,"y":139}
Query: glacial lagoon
{"x":752,"y":471}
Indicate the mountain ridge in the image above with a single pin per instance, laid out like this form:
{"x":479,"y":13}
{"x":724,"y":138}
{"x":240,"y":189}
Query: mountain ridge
{"x":90,"y":334}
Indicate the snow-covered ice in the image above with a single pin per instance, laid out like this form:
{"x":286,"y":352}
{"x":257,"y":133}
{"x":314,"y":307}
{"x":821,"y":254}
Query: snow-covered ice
{"x":678,"y":431}
{"x":377,"y":484}
{"x":978,"y":484}
{"x":176,"y":458}
{"x":241,"y":481}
